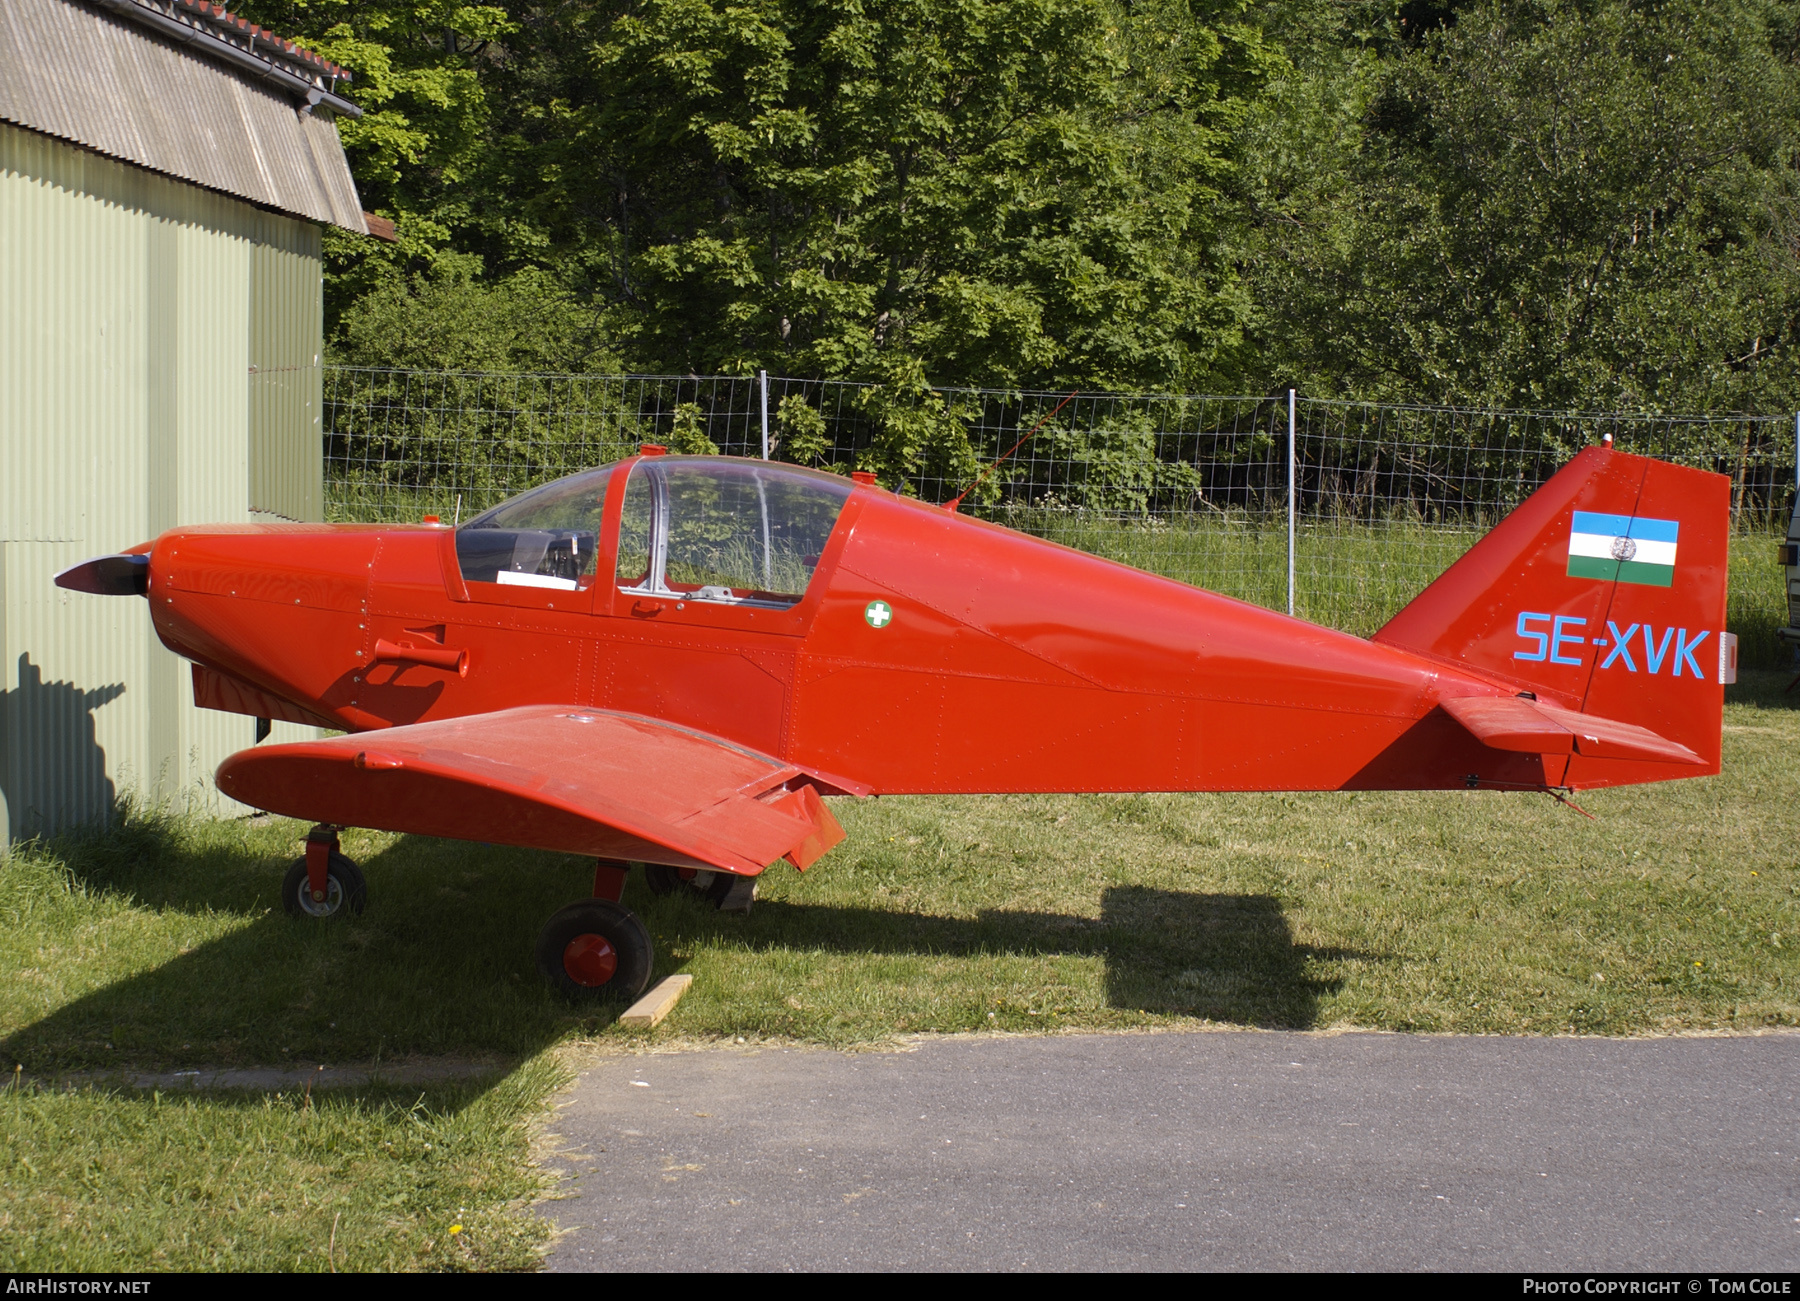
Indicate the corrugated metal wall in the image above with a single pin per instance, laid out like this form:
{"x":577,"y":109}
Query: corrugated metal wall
{"x":287,"y":322}
{"x":125,"y":401}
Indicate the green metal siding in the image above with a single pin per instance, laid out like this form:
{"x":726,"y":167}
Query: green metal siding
{"x":126,"y":396}
{"x":287,"y":315}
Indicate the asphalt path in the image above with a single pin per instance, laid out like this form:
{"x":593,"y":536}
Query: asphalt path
{"x":1237,"y":1150}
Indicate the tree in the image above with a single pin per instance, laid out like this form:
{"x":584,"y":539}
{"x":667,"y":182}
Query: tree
{"x":1549,"y":204}
{"x":420,"y":148}
{"x":1008,"y":192}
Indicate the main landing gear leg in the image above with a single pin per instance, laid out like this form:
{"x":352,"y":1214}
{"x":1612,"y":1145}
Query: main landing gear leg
{"x":597,"y":947}
{"x":323,"y":883}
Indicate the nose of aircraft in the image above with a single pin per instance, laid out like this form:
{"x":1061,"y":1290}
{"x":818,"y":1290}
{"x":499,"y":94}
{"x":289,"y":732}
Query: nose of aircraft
{"x":109,"y":576}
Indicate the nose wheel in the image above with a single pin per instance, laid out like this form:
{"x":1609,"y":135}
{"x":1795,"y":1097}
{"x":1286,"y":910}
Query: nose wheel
{"x":323,"y":882}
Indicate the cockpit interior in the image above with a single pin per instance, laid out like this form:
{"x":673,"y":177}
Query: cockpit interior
{"x":699,"y":528}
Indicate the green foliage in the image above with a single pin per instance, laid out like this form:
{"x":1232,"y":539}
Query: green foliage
{"x":1539,"y":204}
{"x":801,"y":436}
{"x":987,"y":193}
{"x":991,"y":193}
{"x":687,"y":437}
{"x":450,"y":321}
{"x":1115,"y":466}
{"x":1586,"y":203}
{"x":420,"y":150}
{"x":915,"y":432}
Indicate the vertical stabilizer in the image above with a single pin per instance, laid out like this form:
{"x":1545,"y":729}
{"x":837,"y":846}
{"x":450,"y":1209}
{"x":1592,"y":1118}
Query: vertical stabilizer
{"x":1604,"y":593}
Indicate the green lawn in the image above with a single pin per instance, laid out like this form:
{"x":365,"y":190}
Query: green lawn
{"x":160,"y":945}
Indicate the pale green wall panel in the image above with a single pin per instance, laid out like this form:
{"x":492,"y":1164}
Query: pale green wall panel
{"x":287,"y":321}
{"x":129,"y":305}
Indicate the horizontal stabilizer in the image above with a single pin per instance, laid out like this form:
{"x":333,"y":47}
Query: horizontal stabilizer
{"x":1532,"y":727}
{"x":557,"y":777}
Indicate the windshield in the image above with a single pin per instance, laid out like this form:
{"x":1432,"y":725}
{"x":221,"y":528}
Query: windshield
{"x":730,"y":531}
{"x":548,"y":537}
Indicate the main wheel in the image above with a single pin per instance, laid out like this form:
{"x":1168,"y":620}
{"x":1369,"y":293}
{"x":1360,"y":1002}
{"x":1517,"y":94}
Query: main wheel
{"x":595,"y":949}
{"x":716,"y":888}
{"x":697,"y":881}
{"x":665,"y":881}
{"x":346,"y":890}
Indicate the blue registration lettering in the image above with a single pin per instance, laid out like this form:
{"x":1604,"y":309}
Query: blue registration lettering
{"x":1684,"y":652}
{"x":1558,"y":637}
{"x":1621,"y":646}
{"x":1542,"y":639}
{"x":1653,"y":654}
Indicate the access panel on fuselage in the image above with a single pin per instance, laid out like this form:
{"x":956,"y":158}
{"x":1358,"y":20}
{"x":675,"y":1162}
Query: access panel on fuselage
{"x":699,"y":678}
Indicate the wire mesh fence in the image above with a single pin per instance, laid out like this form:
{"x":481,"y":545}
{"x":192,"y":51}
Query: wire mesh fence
{"x":1383,"y":498}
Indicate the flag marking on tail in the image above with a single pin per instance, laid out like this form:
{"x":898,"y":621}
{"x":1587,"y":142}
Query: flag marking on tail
{"x":1625,"y":548}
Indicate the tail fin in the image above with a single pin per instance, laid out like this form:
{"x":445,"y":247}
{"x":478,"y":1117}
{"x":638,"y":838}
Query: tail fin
{"x":1604,"y":592}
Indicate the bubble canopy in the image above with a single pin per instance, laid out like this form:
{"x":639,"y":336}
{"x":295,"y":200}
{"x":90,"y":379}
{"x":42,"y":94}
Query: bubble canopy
{"x":701,"y":528}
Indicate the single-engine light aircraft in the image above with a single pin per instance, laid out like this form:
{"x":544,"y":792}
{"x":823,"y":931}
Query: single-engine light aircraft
{"x":671,"y":659}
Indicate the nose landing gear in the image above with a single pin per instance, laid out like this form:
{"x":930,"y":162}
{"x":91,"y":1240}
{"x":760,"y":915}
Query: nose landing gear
{"x":323,"y":882}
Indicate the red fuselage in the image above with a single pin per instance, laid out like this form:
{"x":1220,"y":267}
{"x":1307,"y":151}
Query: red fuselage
{"x":931,"y":653}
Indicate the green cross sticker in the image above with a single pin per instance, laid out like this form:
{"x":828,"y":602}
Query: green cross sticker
{"x":878,"y":614}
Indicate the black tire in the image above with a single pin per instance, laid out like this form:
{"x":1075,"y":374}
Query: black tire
{"x":346,"y":890}
{"x":701,"y":884}
{"x":721,"y":886}
{"x":615,"y":961}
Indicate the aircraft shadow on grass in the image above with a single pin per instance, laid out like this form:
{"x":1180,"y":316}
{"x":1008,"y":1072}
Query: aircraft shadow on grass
{"x":440,"y":965}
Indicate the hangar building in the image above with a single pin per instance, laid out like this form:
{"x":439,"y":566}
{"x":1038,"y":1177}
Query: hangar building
{"x":166,"y":170}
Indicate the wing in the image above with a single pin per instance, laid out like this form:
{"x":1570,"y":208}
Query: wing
{"x":1532,"y":727}
{"x":560,"y":777}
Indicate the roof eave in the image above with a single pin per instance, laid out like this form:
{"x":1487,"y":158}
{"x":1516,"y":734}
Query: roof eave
{"x":308,"y":92}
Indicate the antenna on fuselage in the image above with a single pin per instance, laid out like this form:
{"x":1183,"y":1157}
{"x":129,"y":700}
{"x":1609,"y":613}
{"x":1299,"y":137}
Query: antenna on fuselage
{"x":956,"y":501}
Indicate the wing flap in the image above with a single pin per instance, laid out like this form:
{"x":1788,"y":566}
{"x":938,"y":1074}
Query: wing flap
{"x":557,"y":777}
{"x":1532,"y":727}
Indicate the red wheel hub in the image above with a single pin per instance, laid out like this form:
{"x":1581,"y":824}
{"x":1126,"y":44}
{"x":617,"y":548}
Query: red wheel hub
{"x":590,"y":960}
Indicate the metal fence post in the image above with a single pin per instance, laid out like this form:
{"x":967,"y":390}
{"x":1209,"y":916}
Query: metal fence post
{"x":763,"y":377}
{"x":1291,"y":497}
{"x":1797,"y":450}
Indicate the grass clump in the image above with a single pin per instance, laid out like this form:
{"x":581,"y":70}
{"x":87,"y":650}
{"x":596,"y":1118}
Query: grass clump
{"x":94,"y":1181}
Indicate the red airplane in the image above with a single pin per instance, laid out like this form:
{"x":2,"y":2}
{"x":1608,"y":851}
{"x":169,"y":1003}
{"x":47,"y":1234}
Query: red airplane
{"x":670,"y":659}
